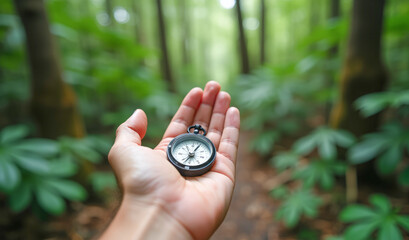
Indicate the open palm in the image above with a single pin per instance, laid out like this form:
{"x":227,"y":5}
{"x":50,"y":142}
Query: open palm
{"x":199,"y":204}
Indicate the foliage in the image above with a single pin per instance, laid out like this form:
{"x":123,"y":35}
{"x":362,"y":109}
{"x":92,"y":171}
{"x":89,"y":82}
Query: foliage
{"x":297,"y":203}
{"x":320,"y":171}
{"x":373,"y":103}
{"x":387,"y":146}
{"x":284,"y":160}
{"x":382,"y":218}
{"x":325,"y":140}
{"x":35,"y":171}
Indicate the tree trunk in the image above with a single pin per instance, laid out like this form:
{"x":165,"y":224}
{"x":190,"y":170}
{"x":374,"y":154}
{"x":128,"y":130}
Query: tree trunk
{"x":332,"y":53}
{"x":110,"y":12}
{"x":262,"y":32}
{"x":53,"y":102}
{"x":245,"y":67}
{"x":165,"y":64}
{"x":185,"y":32}
{"x":363,"y":71}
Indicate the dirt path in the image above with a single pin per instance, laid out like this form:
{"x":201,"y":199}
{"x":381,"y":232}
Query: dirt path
{"x":251,"y":212}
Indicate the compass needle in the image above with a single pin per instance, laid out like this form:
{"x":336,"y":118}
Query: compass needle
{"x":192,"y":153}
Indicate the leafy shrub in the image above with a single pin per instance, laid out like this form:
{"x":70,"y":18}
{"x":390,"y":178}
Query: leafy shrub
{"x":36,"y":171}
{"x":382,"y":218}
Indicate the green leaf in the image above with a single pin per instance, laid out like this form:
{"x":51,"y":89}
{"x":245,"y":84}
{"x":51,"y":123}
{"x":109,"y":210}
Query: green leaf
{"x":344,"y":138}
{"x":360,"y":231}
{"x":279,"y":192}
{"x":388,"y":161}
{"x":49,"y":201}
{"x":285,"y":160}
{"x":9,"y":176}
{"x":367,"y":149}
{"x":63,"y":166}
{"x":327,"y":149}
{"x":32,"y":163}
{"x":69,"y":189}
{"x":43,"y":147}
{"x":404,"y":177}
{"x":356,"y":212}
{"x":304,"y":145}
{"x":103,"y":180}
{"x":388,"y":230}
{"x":380,"y":202}
{"x":292,"y":217}
{"x":20,"y":197}
{"x":403,"y":221}
{"x":13,"y":133}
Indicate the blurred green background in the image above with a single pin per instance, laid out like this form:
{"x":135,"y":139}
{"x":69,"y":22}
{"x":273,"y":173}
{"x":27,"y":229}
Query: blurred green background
{"x":322,"y":85}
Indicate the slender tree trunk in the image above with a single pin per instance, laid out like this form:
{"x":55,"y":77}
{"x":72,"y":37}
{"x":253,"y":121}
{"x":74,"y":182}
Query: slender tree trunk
{"x":53,"y":101}
{"x":363,"y":71}
{"x":165,"y":64}
{"x":110,"y":11}
{"x":245,"y":66}
{"x":262,"y":32}
{"x":332,"y":54}
{"x":185,"y":32}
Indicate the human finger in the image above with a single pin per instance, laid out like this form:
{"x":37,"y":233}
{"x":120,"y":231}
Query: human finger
{"x":218,"y":117}
{"x":185,"y":114}
{"x":133,"y":129}
{"x":230,"y":136}
{"x":204,"y":112}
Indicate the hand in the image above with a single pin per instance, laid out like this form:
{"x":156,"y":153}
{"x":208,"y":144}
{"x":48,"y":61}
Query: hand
{"x":192,"y":206}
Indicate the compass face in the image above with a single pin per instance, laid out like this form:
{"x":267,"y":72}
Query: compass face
{"x":191,"y":152}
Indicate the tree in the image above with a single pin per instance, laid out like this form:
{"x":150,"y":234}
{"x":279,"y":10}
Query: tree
{"x":363,"y":69}
{"x":363,"y":73}
{"x":245,"y":67}
{"x":165,"y":64}
{"x":262,"y":32}
{"x":53,"y":102}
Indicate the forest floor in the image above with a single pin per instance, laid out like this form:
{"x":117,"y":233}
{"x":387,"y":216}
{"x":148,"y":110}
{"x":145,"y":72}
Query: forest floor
{"x":251,"y":214}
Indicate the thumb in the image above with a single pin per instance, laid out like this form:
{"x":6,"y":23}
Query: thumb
{"x":133,"y":129}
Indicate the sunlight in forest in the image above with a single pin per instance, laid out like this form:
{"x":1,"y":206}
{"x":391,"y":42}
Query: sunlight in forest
{"x":121,"y":15}
{"x":251,"y":23}
{"x":227,"y":4}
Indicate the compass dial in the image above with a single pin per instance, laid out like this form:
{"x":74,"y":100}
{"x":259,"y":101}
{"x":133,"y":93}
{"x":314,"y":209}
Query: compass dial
{"x":191,"y":152}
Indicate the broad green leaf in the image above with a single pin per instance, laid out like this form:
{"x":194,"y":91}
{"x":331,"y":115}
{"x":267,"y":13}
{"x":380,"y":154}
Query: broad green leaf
{"x":373,"y":103}
{"x":356,"y":212}
{"x":63,"y":166}
{"x":13,"y":133}
{"x":103,"y":180}
{"x":279,"y":192}
{"x":388,"y":161}
{"x":43,"y":147}
{"x":20,"y":197}
{"x":343,"y":138}
{"x":69,"y":189}
{"x":380,"y":202}
{"x":361,"y":230}
{"x":304,"y":145}
{"x":32,"y":163}
{"x":367,"y":149}
{"x":388,"y":230}
{"x":327,"y":181}
{"x":49,"y":201}
{"x":86,"y":152}
{"x":327,"y":149}
{"x":403,"y":220}
{"x":292,"y":217}
{"x":285,"y":160}
{"x":9,"y":176}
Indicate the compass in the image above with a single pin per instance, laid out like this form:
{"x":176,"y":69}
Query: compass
{"x":192,"y":153}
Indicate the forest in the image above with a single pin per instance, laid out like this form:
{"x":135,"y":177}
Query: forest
{"x":322,"y":87}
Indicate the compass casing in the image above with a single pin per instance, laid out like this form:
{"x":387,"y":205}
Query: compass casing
{"x":189,"y":170}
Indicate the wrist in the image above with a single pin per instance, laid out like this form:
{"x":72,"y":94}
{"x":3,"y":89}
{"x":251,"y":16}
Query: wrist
{"x":138,"y":219}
